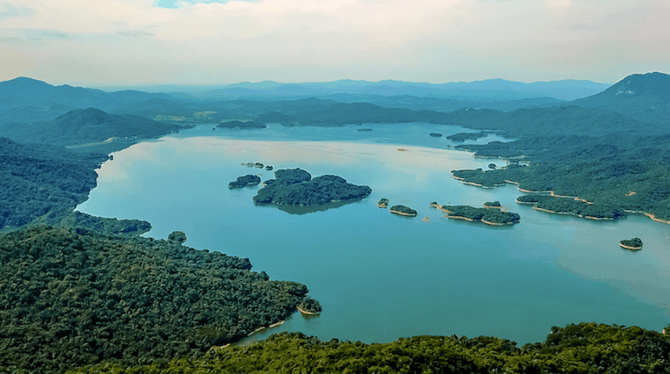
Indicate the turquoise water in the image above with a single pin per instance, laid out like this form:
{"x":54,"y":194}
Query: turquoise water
{"x":380,"y":276}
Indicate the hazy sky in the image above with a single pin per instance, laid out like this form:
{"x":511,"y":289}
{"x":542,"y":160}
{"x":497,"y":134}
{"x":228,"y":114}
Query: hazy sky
{"x":109,"y":42}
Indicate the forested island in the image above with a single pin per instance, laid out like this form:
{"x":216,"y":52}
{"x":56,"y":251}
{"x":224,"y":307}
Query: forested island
{"x":403,"y":211}
{"x":493,"y":204}
{"x":383,"y":203}
{"x":634,"y":244}
{"x":245,"y":181}
{"x":74,"y":297}
{"x":463,"y":136}
{"x":488,"y":216}
{"x":570,"y":205}
{"x":296,"y":187}
{"x":581,"y":348}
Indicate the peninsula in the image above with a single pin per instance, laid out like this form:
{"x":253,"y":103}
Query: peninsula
{"x":296,"y":187}
{"x":573,"y":206}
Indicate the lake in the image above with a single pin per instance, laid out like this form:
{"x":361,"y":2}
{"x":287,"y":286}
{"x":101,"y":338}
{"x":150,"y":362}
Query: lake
{"x":380,"y":276}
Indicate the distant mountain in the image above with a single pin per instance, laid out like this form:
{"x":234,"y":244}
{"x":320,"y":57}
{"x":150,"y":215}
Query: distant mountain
{"x":28,"y":100}
{"x":84,"y":126}
{"x":481,"y":91}
{"x":642,"y":96}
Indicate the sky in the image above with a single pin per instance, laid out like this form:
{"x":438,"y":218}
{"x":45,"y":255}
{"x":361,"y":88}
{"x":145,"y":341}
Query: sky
{"x":205,"y":42}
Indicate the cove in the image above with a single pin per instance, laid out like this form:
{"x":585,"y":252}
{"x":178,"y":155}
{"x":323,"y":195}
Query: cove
{"x":380,"y":276}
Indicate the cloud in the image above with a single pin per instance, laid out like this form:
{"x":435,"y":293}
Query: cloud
{"x":9,"y":11}
{"x":136,"y":33}
{"x":296,"y":40}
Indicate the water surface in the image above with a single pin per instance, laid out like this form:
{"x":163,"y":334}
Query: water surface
{"x":380,"y":276}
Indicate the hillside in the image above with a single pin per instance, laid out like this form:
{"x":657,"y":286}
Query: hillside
{"x":84,"y":126}
{"x":642,"y":96}
{"x":40,"y":179}
{"x":73,"y":298}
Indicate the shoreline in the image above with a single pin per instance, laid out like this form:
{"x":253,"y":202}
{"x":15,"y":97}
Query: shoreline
{"x":572,"y":214}
{"x":402,"y":213}
{"x":306,"y":312}
{"x":649,"y":215}
{"x":629,"y":247}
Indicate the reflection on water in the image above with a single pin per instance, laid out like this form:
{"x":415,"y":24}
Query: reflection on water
{"x":379,"y":276}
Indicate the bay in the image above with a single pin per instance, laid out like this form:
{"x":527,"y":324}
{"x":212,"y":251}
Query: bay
{"x":380,"y":276}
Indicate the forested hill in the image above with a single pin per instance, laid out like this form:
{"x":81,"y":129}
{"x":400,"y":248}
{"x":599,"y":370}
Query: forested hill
{"x":642,"y":96}
{"x":86,"y":126}
{"x":28,"y":100}
{"x":73,"y":298}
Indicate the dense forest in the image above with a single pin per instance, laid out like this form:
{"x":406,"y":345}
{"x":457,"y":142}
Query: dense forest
{"x":70,"y":298}
{"x":582,"y":348}
{"x":38,"y":179}
{"x":296,"y":187}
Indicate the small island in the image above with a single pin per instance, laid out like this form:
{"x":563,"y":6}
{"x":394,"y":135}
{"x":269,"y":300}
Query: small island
{"x":296,"y":187}
{"x":269,"y":168}
{"x":383,"y":203}
{"x":364,"y":130}
{"x":435,"y":134}
{"x":403,"y":211}
{"x":244,"y":181}
{"x":488,"y":216}
{"x":634,"y":244}
{"x":241,"y":125}
{"x":309,"y":306}
{"x":253,"y":165}
{"x":493,"y":205}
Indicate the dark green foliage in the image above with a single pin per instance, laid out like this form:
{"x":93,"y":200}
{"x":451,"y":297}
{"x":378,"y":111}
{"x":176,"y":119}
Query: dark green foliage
{"x":295,"y":187}
{"x":435,"y":134}
{"x":492,"y":204}
{"x":241,"y":125}
{"x":85,"y":222}
{"x":177,"y":237}
{"x":383,"y":202}
{"x":463,"y":136}
{"x":491,"y":216}
{"x":403,"y":210}
{"x":39,"y":179}
{"x":244,"y":181}
{"x":70,"y":299}
{"x":632,"y":243}
{"x":583,"y":348}
{"x":310,"y":305}
{"x":566,"y":205}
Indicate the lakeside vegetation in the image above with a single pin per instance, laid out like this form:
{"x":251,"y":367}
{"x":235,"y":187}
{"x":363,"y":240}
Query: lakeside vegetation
{"x":567,"y":205}
{"x":72,"y":298}
{"x":581,"y":348}
{"x":296,"y":187}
